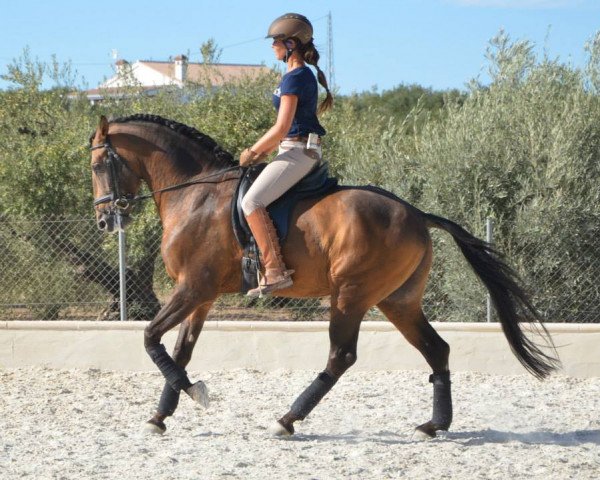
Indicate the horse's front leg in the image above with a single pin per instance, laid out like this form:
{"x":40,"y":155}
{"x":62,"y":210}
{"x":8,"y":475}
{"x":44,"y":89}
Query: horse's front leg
{"x":181,"y":304}
{"x":189,"y":332}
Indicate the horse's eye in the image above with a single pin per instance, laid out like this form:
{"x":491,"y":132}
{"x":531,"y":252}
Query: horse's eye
{"x":98,"y":167}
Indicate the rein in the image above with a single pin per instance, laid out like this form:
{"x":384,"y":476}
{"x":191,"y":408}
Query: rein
{"x":121,"y":202}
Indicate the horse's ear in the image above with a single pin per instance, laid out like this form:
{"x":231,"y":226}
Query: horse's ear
{"x":103,"y":126}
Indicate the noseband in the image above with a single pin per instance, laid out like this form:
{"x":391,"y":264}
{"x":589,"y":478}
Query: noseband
{"x":114,"y":164}
{"x":119,"y":202}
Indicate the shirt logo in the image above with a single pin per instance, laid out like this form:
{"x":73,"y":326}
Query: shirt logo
{"x":277,"y":92}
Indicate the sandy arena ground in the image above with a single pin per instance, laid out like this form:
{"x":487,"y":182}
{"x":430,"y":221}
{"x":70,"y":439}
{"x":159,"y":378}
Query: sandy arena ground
{"x":87,"y":424}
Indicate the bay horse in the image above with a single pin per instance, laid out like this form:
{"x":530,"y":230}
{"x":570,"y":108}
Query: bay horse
{"x":361,"y":246}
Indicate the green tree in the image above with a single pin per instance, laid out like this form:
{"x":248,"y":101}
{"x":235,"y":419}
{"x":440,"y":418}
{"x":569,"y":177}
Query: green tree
{"x":211,"y":53}
{"x":524,"y":150}
{"x":44,"y":173}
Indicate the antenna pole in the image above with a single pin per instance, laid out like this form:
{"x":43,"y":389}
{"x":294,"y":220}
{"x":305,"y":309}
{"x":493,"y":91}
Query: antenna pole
{"x":330,"y":52}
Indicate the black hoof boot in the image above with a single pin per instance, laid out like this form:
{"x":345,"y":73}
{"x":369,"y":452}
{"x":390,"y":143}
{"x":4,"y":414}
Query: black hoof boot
{"x":442,"y":407}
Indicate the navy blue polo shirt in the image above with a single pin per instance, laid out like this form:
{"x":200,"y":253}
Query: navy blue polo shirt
{"x":302,"y":83}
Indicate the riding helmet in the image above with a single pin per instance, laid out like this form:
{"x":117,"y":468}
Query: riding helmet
{"x":291,"y":25}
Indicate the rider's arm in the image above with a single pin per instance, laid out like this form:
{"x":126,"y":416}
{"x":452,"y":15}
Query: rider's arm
{"x":270,"y":140}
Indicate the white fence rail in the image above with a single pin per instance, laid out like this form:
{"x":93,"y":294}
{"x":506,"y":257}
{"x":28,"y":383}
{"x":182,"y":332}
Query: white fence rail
{"x":479,"y":347}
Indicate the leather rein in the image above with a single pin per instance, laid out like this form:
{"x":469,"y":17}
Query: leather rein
{"x":122,"y":201}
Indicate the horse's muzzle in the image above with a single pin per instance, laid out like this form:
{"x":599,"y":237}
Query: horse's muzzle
{"x":110,"y":222}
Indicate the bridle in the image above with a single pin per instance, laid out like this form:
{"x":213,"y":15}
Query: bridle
{"x":114,"y":165}
{"x":120,"y":202}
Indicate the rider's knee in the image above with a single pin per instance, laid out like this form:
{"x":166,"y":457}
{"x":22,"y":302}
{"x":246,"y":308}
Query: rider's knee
{"x":249,"y":204}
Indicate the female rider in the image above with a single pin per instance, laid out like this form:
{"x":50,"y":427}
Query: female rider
{"x":295,"y":100}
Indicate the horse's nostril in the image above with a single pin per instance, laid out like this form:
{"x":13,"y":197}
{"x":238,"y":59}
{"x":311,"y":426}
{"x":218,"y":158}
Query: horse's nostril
{"x":102,"y":224}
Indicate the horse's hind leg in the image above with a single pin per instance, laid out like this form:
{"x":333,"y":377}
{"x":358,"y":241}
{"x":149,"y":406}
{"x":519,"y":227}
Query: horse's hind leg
{"x":411,"y":322}
{"x":182,"y":354}
{"x":343,"y":336}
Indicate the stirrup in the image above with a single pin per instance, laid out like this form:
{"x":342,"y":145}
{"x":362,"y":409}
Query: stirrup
{"x":265,"y":289}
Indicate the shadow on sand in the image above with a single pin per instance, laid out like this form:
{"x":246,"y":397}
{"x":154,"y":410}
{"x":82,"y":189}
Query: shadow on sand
{"x":354,"y":436}
{"x":566,"y":439}
{"x":480,"y":437}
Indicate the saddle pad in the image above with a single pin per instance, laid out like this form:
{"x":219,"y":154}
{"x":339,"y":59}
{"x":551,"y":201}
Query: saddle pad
{"x":316,"y":183}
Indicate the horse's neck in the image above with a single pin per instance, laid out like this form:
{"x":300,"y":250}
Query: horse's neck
{"x":161,"y":166}
{"x":159,"y":171}
{"x":204,"y":204}
{"x":159,"y":162}
{"x":190,"y":189}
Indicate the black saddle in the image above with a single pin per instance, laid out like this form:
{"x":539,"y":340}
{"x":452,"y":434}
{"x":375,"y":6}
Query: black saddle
{"x":315,"y":184}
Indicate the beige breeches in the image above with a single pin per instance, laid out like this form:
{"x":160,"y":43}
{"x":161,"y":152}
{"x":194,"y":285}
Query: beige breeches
{"x":291,"y":165}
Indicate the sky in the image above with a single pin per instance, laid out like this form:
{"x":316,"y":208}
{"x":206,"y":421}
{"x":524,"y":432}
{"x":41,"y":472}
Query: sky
{"x":380,"y":44}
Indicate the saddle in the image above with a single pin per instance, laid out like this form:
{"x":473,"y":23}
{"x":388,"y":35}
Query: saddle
{"x":315,"y":184}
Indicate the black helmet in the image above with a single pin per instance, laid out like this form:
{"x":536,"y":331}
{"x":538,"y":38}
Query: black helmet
{"x":291,"y":25}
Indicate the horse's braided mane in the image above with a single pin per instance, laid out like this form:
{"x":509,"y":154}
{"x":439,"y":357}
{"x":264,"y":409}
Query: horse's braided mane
{"x":202,"y":139}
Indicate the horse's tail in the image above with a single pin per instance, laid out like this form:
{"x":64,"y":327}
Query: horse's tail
{"x":510,"y":300}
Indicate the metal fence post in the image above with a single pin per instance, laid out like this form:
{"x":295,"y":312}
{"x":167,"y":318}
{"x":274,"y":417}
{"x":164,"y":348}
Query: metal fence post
{"x":122,"y":271}
{"x":489,"y":237}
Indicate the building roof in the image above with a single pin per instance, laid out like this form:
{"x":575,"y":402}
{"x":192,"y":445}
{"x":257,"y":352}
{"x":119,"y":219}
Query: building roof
{"x":218,"y":73}
{"x":152,"y":75}
{"x":99,"y":93}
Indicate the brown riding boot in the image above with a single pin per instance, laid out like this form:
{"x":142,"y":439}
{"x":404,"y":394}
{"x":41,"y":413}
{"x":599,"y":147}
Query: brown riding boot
{"x":276,"y":275}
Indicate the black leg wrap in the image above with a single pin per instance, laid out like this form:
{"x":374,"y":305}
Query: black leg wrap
{"x":442,"y":400}
{"x":310,"y":397}
{"x":169,"y":399}
{"x":175,"y":375}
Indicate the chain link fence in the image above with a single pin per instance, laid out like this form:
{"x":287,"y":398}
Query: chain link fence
{"x":64,"y":268}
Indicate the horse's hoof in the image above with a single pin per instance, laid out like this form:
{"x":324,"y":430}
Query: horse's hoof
{"x":153,"y":427}
{"x":421,"y":436}
{"x":424,"y":432}
{"x":278,"y":430}
{"x":199,"y":393}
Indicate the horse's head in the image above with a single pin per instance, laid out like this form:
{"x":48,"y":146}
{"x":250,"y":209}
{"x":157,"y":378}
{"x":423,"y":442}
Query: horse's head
{"x":114,"y":182}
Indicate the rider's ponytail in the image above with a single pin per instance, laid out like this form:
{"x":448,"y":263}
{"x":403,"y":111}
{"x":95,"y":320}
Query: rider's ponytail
{"x":311,"y":56}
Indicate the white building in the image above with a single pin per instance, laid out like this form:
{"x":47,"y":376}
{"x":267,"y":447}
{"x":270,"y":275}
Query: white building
{"x":153,"y":75}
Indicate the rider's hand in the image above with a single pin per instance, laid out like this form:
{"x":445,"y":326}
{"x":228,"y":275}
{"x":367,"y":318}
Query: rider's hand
{"x":250,"y":157}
